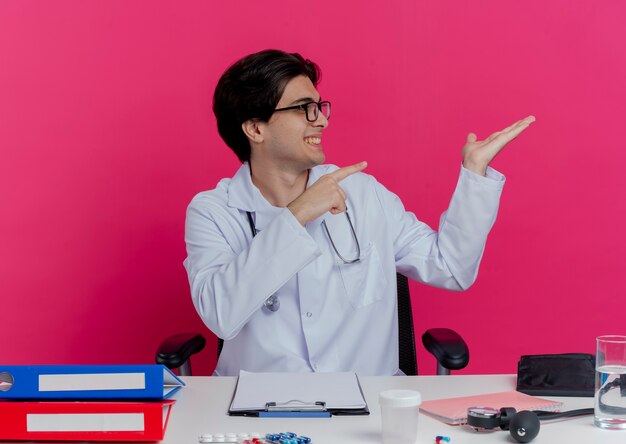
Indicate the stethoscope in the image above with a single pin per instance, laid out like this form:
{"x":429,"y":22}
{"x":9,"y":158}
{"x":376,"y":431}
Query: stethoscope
{"x":273,"y":303}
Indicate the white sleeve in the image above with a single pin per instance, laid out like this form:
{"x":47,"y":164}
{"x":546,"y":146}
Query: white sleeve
{"x":449,"y":258}
{"x":228,"y":287}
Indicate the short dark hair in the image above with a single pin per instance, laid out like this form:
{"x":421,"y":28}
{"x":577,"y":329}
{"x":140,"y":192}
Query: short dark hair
{"x":251,"y":89}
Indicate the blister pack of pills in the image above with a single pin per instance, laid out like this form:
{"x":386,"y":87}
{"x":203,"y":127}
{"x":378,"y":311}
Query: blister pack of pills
{"x":254,"y":438}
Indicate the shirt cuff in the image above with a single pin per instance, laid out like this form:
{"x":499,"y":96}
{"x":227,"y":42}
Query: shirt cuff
{"x":493,"y":178}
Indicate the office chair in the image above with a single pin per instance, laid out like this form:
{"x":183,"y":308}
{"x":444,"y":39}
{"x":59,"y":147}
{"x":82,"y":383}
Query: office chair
{"x":446,"y":345}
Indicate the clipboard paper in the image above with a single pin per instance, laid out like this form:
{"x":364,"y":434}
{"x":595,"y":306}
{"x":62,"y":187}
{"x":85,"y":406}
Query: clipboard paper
{"x":339,"y":393}
{"x":454,"y":410}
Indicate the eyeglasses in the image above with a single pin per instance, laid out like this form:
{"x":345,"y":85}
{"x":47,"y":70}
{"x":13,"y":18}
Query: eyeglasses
{"x":358,"y":247}
{"x":312,"y":110}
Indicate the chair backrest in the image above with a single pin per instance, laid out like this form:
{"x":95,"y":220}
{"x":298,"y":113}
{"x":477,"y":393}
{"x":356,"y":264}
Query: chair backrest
{"x":220,"y":345}
{"x":406,"y":332}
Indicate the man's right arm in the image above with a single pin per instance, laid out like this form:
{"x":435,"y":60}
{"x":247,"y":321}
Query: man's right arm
{"x":230,"y":274}
{"x":325,"y":195}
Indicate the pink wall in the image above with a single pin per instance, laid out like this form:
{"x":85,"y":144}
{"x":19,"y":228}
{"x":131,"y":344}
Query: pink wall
{"x":106,"y":133}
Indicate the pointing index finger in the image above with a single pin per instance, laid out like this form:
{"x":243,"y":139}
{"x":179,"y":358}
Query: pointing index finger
{"x":344,"y":172}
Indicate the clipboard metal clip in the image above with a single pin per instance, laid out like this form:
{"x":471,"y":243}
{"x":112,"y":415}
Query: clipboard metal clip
{"x":296,"y":408}
{"x":295,"y":405}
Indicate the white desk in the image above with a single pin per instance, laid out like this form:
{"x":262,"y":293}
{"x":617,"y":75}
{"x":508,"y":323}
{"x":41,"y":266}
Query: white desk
{"x":202,"y":407}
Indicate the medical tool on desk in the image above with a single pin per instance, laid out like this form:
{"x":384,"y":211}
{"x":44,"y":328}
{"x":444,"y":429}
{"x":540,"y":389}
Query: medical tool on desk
{"x":523,"y":426}
{"x":273,"y":303}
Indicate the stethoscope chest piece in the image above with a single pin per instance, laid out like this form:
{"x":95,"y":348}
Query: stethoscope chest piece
{"x":272,"y":303}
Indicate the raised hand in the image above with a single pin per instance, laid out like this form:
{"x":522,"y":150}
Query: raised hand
{"x":324,"y":195}
{"x":477,"y":154}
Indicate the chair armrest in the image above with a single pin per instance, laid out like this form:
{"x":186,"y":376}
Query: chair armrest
{"x":176,"y":350}
{"x":447,"y":346}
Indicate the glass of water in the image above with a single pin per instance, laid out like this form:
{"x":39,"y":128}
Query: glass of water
{"x":610,"y":394}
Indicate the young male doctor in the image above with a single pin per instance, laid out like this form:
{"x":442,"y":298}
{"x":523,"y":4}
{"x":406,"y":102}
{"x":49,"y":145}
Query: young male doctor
{"x":293,"y":262}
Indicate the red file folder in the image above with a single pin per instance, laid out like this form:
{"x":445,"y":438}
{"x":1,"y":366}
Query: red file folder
{"x":83,"y":421}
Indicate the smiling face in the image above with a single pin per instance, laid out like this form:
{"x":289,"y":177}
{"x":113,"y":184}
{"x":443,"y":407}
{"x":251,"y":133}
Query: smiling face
{"x":288,"y":140}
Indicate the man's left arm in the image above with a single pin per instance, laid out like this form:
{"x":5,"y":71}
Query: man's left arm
{"x":450,"y":258}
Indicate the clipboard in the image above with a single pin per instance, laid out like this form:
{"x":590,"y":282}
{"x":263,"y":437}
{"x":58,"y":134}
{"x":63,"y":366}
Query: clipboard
{"x":297,"y":395}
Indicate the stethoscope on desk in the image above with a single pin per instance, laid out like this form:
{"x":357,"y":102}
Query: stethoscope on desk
{"x":524,"y":426}
{"x":273,"y":303}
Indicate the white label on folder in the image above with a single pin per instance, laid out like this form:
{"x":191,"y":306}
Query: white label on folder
{"x":92,"y":381}
{"x":85,"y":422}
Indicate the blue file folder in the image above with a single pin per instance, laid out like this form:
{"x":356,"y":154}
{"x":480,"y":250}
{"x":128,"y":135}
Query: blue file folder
{"x":152,"y":381}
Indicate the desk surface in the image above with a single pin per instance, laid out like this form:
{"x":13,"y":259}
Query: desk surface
{"x":201,"y":408}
